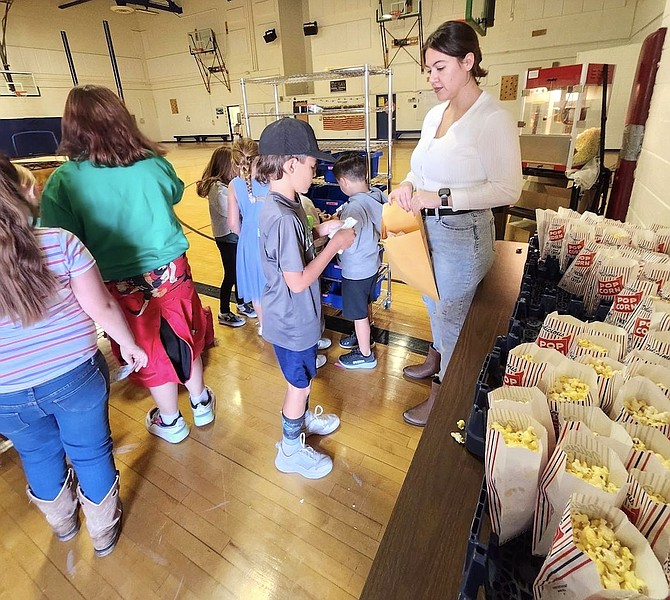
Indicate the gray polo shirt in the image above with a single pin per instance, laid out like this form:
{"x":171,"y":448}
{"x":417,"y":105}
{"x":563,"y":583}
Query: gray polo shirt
{"x":292,"y":321}
{"x":361,"y":260}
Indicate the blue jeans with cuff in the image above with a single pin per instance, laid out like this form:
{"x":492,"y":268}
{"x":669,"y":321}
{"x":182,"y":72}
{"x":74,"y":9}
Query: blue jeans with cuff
{"x":65,"y":416}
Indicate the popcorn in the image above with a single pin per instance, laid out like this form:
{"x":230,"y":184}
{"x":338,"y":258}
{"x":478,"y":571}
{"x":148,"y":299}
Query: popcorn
{"x":601,"y":367}
{"x":654,"y":495}
{"x":458,"y":437}
{"x":595,"y":475}
{"x":460,"y":424}
{"x":528,"y":357}
{"x":586,"y":343}
{"x":638,"y":444}
{"x":526,"y":438}
{"x":568,"y":389}
{"x":645,"y":414}
{"x":614,"y":561}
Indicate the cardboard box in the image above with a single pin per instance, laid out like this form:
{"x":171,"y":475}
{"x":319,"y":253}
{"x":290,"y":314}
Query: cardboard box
{"x":539,"y":195}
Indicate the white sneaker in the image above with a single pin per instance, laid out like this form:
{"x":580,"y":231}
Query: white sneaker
{"x":306,"y":461}
{"x":173,"y":433}
{"x":323,"y":343}
{"x":316,"y":423}
{"x":321,"y":360}
{"x":203,"y":412}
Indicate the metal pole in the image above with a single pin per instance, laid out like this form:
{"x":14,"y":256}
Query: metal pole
{"x":68,"y":55}
{"x":275,"y":87}
{"x":367,"y":118}
{"x":247,"y":122}
{"x":112,"y":57}
{"x":390,"y":107}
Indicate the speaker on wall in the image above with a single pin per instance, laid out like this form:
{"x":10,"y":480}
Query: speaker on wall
{"x":270,"y":35}
{"x":310,"y":28}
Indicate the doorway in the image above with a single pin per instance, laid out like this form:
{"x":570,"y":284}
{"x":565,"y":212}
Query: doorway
{"x":235,"y":121}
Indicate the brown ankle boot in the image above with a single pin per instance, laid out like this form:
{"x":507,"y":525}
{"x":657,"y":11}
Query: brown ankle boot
{"x":427,"y":369}
{"x":419,"y":414}
{"x":103,"y":520}
{"x":62,"y":513}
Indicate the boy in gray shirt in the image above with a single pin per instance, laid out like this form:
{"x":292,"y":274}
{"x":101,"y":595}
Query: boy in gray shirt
{"x":360,"y":263}
{"x":292,"y":297}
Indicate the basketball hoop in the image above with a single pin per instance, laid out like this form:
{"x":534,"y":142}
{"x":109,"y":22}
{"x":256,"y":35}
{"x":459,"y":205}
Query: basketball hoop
{"x":20,"y":93}
{"x":396,"y":14}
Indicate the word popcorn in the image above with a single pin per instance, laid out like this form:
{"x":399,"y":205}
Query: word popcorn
{"x":517,"y":438}
{"x":568,"y":389}
{"x":645,"y":414}
{"x":596,"y":475}
{"x":614,"y":561}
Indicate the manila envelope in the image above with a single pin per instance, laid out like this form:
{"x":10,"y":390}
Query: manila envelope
{"x":406,"y":248}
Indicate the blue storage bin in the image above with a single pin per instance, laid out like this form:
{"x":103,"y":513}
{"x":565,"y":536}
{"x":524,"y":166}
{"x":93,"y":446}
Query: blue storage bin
{"x":326,"y":169}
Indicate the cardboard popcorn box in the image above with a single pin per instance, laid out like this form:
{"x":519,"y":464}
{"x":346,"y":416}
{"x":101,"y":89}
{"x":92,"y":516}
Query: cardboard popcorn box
{"x":515,"y":455}
{"x":569,"y":573}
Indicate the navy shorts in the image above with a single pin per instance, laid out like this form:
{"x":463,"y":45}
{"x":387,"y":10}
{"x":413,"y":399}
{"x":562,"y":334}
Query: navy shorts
{"x":298,"y":367}
{"x":357,"y":294}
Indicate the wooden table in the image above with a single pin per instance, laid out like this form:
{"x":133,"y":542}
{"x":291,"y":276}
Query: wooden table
{"x":422,"y":552}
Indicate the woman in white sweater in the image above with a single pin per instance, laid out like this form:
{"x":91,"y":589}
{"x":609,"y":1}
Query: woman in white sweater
{"x":466,"y":162}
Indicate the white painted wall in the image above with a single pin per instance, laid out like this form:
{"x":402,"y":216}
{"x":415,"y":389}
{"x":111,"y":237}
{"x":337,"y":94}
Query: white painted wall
{"x":649,"y":200}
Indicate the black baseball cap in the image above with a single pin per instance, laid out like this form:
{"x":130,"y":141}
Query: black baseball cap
{"x":291,"y":137}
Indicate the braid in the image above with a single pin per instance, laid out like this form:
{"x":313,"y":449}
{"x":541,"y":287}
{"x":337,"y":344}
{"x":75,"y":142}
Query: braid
{"x":245,"y":153}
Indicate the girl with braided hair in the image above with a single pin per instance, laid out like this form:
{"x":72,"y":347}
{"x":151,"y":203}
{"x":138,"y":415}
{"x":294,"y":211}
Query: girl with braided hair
{"x":245,"y":201}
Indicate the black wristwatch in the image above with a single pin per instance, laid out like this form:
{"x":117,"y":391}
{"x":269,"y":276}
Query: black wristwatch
{"x":444,"y":194}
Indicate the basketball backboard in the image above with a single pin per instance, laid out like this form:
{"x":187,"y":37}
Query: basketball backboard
{"x":479,"y":14}
{"x":18,"y":84}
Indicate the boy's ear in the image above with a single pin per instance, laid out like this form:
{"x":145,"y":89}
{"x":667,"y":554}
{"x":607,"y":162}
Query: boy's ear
{"x":289,"y":165}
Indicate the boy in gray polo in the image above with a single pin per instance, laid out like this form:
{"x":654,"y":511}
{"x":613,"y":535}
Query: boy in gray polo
{"x":360,"y":263}
{"x":292,"y":297}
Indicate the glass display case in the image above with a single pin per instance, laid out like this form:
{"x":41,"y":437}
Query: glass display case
{"x":558,"y":104}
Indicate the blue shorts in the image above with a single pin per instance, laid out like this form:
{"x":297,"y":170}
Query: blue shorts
{"x":298,"y":367}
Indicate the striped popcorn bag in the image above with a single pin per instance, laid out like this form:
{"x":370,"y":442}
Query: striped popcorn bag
{"x":514,"y":457}
{"x":647,"y":506}
{"x":593,"y":344}
{"x":626,"y":302}
{"x":527,"y":364}
{"x":609,"y":376}
{"x":591,"y":419}
{"x":576,"y":276}
{"x":609,"y":278}
{"x":558,"y":331}
{"x":613,"y":235}
{"x":579,"y":455}
{"x":663,"y":240}
{"x":641,"y":401}
{"x":528,"y":401}
{"x":646,"y":356}
{"x":569,"y":572}
{"x":577,"y":235}
{"x":658,"y":341}
{"x":650,"y":451}
{"x":650,"y":310}
{"x":613,"y":332}
{"x":656,"y":272}
{"x":659,"y":374}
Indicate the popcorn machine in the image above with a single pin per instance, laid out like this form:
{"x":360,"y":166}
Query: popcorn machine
{"x":558,"y":104}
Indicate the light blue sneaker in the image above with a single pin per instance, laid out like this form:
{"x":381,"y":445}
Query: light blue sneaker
{"x":318,"y":423}
{"x":356,"y":360}
{"x":305,"y":461}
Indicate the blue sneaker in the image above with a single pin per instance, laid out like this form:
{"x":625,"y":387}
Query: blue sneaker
{"x":246,"y":309}
{"x":356,"y":360}
{"x":351,"y":341}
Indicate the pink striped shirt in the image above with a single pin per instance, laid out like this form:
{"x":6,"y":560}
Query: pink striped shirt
{"x":66,"y":337}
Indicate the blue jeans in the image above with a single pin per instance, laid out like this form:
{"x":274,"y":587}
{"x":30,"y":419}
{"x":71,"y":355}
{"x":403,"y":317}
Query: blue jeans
{"x":462,"y":251}
{"x":65,"y":416}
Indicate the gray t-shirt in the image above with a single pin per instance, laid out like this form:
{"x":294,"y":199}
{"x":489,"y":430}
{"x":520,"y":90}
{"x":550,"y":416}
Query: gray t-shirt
{"x":361,"y":260}
{"x":290,"y":320}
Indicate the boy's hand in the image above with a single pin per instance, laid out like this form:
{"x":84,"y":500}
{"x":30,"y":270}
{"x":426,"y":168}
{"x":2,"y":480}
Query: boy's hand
{"x":329,"y":226}
{"x":342,"y":239}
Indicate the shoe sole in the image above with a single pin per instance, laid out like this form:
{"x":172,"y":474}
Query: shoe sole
{"x":109,"y":549}
{"x":70,"y":534}
{"x":324,"y":346}
{"x":367,"y":365}
{"x":202,"y":420}
{"x":232,"y":324}
{"x":345,"y":347}
{"x":415,"y":377}
{"x":306,"y":475}
{"x":410,"y":421}
{"x":171,"y":438}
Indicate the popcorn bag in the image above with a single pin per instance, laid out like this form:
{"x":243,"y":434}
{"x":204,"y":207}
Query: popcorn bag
{"x":577,"y":235}
{"x":555,"y":233}
{"x":558,"y":331}
{"x":528,"y":363}
{"x":528,"y":401}
{"x":580,"y":464}
{"x":650,"y":451}
{"x":612,"y":275}
{"x":645,"y":356}
{"x":659,"y":374}
{"x":639,"y":323}
{"x":593,"y":344}
{"x":574,"y":571}
{"x":626,"y":302}
{"x":613,"y":332}
{"x":641,"y":401}
{"x":590,"y":419}
{"x":610,"y":376}
{"x":515,"y":455}
{"x":576,"y":276}
{"x":658,"y":342}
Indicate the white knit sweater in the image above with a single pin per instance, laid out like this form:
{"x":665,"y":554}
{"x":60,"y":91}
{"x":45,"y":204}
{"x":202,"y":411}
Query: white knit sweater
{"x":478,"y":158}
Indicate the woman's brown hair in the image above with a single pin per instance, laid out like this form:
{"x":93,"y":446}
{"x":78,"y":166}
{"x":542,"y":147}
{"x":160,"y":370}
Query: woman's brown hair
{"x":27,"y":282}
{"x":97,"y":126}
{"x":245,"y":153}
{"x":457,"y":39}
{"x":220,"y":168}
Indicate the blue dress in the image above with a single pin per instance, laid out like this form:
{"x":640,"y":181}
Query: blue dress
{"x":250,"y":278}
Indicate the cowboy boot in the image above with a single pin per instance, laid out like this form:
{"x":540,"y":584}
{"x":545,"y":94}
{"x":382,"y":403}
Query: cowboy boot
{"x":419,"y":414}
{"x":62,"y":513}
{"x":427,"y":369}
{"x":103,"y":520}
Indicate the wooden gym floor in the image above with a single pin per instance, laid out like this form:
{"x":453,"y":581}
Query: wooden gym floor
{"x":212,"y":517}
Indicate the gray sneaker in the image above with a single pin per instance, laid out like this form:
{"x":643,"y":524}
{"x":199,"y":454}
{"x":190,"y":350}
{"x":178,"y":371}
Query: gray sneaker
{"x":306,"y":461}
{"x":356,"y":360}
{"x":246,"y":309}
{"x":231,"y":320}
{"x":351,"y":341}
{"x":320,"y":423}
